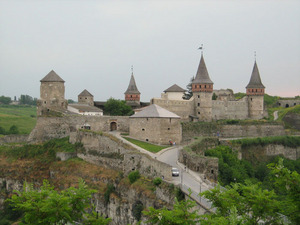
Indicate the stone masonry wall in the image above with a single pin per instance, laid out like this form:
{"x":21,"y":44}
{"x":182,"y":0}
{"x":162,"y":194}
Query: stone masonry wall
{"x":107,"y":150}
{"x":190,"y":130}
{"x":208,"y":166}
{"x":57,"y":127}
{"x":230,"y":109}
{"x":182,"y":108}
{"x":14,"y":138}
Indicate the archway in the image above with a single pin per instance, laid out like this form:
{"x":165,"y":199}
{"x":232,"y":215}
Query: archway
{"x":287,"y":105}
{"x":113,"y":126}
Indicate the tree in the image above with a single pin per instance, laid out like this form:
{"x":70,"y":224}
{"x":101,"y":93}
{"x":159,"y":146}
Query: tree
{"x":27,"y":100}
{"x":214,"y":97}
{"x":189,"y":92}
{"x":247,"y":203}
{"x":287,"y":183}
{"x":47,"y":206}
{"x":116,"y":107}
{"x":183,"y":213}
{"x":5,"y":100}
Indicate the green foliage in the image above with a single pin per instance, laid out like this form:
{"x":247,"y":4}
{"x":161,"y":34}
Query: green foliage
{"x":110,"y":188}
{"x":13,"y":130}
{"x":270,"y":101}
{"x":18,"y":115}
{"x":249,"y":203}
{"x":183,"y":213}
{"x":2,"y":130}
{"x":45,"y":152}
{"x":137,"y":209}
{"x":27,"y":100}
{"x":239,"y":95}
{"x":157,"y":181}
{"x":244,"y":203}
{"x":287,"y":184}
{"x":288,"y":141}
{"x":48,"y":206}
{"x":214,"y":96}
{"x":231,"y":169}
{"x":187,"y":95}
{"x":5,"y":100}
{"x":116,"y":107}
{"x":134,"y":176}
{"x":145,"y":145}
{"x":180,"y":196}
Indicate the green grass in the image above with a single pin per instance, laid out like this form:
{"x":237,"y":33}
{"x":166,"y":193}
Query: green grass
{"x":283,"y":111}
{"x":24,"y":117}
{"x":147,"y":146}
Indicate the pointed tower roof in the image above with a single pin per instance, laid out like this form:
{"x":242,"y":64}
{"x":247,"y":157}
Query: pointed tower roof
{"x":85,"y":93}
{"x":174,"y":88}
{"x":154,"y":111}
{"x":132,"y":89}
{"x":255,"y":81}
{"x":202,"y":76}
{"x":52,"y":77}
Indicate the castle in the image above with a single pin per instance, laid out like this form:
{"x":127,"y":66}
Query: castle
{"x":164,"y":114}
{"x":202,"y":107}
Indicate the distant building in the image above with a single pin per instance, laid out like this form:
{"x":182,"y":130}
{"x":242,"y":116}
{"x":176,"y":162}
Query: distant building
{"x":156,"y":125}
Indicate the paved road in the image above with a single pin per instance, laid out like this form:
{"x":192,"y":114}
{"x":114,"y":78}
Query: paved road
{"x":187,"y":179}
{"x":275,"y":115}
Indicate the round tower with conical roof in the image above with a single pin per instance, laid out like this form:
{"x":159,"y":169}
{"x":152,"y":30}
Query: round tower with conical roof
{"x":52,"y":94}
{"x":132,"y":94}
{"x":255,"y":91}
{"x":202,"y":88}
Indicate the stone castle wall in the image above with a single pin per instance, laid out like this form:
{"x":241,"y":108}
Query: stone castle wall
{"x":190,"y":130}
{"x":288,"y":102}
{"x":182,"y":108}
{"x":230,"y":109}
{"x":106,"y":150}
{"x":13,"y":138}
{"x":57,"y":127}
{"x":207,"y":166}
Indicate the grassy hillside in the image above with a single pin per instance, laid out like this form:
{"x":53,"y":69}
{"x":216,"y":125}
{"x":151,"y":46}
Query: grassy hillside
{"x":24,"y":117}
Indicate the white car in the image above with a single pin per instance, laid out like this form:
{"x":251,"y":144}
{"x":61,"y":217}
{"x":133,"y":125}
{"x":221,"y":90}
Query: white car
{"x":175,"y":172}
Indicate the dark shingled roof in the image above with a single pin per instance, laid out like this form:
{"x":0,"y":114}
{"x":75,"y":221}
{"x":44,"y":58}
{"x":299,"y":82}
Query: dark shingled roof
{"x":154,"y":111}
{"x":132,"y":89}
{"x":85,"y":93}
{"x":255,"y":81}
{"x":202,"y":76}
{"x":52,"y":77}
{"x":174,"y":88}
{"x":85,"y":108}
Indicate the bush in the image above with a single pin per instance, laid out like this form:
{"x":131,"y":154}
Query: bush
{"x":13,"y":130}
{"x":137,"y":209}
{"x":2,"y":130}
{"x":133,"y":176}
{"x":157,"y":181}
{"x":109,"y":190}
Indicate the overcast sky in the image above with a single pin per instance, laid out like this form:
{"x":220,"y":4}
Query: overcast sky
{"x":92,"y":44}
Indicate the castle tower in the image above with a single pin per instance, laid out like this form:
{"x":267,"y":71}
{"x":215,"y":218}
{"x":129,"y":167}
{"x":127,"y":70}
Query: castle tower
{"x":255,"y":92}
{"x":132,"y":94}
{"x":86,"y":97}
{"x":202,"y":88}
{"x":52,"y":94}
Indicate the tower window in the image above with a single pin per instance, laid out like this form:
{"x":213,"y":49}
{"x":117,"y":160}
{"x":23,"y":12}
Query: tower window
{"x":198,"y":104}
{"x":198,"y":96}
{"x":143,"y":129}
{"x":199,"y":113}
{"x":205,"y":86}
{"x":169,"y":128}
